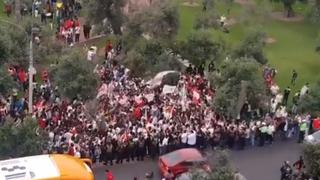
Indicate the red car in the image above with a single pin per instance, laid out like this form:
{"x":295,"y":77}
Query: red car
{"x":181,"y":161}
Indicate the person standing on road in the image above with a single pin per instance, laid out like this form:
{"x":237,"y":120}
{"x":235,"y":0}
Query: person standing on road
{"x":286,"y":171}
{"x":109,"y":175}
{"x":302,"y":127}
{"x":299,"y":165}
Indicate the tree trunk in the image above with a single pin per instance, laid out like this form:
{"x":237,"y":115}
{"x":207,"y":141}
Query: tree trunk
{"x":17,"y":9}
{"x":242,"y":97}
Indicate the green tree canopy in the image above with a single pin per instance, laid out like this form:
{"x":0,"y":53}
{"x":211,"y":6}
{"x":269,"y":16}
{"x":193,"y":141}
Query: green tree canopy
{"x":200,"y":48}
{"x":229,"y":83}
{"x":311,"y":155}
{"x":22,"y":140}
{"x":252,"y":47}
{"x":148,"y":58}
{"x":74,"y":76}
{"x":287,"y":4}
{"x":222,"y":169}
{"x":13,"y":45}
{"x":311,"y":101}
{"x":99,"y":10}
{"x":6,"y":82}
{"x":160,"y":20}
{"x":207,"y":19}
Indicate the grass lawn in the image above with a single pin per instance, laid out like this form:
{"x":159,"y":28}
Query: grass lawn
{"x":293,"y":49}
{"x":1,"y":8}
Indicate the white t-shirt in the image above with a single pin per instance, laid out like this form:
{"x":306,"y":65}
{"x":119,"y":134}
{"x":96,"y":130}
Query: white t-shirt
{"x":184,"y":137}
{"x":192,"y":138}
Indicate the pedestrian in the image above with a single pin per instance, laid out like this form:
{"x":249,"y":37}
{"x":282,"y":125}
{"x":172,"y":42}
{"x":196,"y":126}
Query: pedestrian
{"x":109,"y":175}
{"x":299,"y":165}
{"x":302,"y":129}
{"x":286,"y":96}
{"x":294,"y":77}
{"x":286,"y":171}
{"x":86,"y":30}
{"x":77,"y":29}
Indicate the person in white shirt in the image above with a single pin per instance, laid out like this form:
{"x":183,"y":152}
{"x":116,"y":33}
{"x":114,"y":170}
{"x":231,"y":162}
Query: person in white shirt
{"x":184,"y":139}
{"x":163,"y":145}
{"x":192,"y":139}
{"x":77,"y":153}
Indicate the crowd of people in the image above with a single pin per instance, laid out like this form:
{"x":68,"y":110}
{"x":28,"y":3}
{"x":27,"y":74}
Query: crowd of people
{"x":135,"y":119}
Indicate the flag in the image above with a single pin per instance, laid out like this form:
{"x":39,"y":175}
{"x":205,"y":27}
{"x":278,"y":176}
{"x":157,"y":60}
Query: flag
{"x":103,"y":90}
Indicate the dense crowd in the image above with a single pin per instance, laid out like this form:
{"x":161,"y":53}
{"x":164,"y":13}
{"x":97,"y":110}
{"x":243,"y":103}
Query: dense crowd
{"x":135,"y":119}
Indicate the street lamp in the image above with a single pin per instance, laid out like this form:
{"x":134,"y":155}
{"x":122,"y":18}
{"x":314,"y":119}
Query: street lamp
{"x":31,"y":69}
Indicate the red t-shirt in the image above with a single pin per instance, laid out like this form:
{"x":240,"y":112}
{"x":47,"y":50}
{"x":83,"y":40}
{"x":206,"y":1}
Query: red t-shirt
{"x":109,"y":176}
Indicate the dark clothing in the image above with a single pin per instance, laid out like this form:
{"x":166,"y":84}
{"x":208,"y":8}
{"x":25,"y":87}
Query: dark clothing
{"x":286,"y":172}
{"x":285,"y":96}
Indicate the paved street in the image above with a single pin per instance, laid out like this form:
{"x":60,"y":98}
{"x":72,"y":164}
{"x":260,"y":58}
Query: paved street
{"x":255,"y":163}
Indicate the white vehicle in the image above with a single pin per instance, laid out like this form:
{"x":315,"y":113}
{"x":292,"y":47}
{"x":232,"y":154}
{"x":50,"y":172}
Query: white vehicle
{"x":313,"y":138}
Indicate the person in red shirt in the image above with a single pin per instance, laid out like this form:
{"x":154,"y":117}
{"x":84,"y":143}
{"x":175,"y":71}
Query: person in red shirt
{"x":109,"y":175}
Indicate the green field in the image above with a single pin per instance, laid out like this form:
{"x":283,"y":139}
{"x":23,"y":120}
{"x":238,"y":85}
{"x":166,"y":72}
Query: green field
{"x":293,"y":49}
{"x":1,"y":8}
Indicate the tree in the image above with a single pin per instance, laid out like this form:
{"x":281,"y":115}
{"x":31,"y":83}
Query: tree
{"x":160,"y":20}
{"x":200,"y":48}
{"x":314,"y":12}
{"x":221,"y":168}
{"x":99,"y":10}
{"x":22,"y":140}
{"x":147,"y":58}
{"x":13,"y":45}
{"x":311,"y":101}
{"x":207,"y":19}
{"x":228,"y":85}
{"x":6,"y":82}
{"x":311,"y":155}
{"x":74,"y":77}
{"x":287,"y":4}
{"x":252,"y":47}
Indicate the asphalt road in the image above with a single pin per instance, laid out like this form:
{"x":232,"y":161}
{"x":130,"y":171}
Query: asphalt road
{"x":258,"y":163}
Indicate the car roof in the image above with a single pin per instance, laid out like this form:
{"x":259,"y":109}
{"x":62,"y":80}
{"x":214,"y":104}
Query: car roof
{"x":182,"y":155}
{"x":316,"y":134}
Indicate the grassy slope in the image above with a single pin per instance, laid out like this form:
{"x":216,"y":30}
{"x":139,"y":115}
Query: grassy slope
{"x":1,"y":8}
{"x":294,"y":48}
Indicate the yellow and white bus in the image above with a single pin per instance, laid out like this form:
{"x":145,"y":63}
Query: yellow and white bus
{"x":46,"y":167}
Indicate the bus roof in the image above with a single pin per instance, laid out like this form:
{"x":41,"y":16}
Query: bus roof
{"x":31,"y":167}
{"x":45,"y":167}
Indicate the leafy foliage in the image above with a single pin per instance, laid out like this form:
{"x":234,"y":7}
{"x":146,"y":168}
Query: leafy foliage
{"x":13,"y":45}
{"x":200,"y":48}
{"x":148,"y":58}
{"x":314,"y":12}
{"x":312,"y":157}
{"x":20,"y":141}
{"x":160,"y":20}
{"x":108,"y":9}
{"x":222,"y":168}
{"x":228,"y":84}
{"x":74,"y":77}
{"x":287,"y":4}
{"x":252,"y":47}
{"x":6,"y":82}
{"x":311,"y":101}
{"x":208,"y":19}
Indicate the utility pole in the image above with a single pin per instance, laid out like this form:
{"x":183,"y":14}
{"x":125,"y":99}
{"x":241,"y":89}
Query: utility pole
{"x":31,"y":72}
{"x":31,"y":68}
